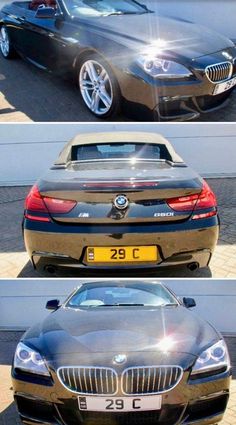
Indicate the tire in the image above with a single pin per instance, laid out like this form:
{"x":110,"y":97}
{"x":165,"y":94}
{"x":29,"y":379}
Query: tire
{"x":6,"y":47}
{"x":98,"y":86}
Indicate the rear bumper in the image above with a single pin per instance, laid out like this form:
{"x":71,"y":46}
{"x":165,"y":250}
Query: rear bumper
{"x":177,"y":245}
{"x":52,"y":264}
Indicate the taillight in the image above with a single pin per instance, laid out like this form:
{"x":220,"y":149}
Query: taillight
{"x":204,"y":200}
{"x":36,"y":204}
{"x":183,"y":203}
{"x":58,"y":206}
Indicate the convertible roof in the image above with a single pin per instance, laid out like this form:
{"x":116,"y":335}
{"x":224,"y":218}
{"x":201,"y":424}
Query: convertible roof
{"x":115,"y":137}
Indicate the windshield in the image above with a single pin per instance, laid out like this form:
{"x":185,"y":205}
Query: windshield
{"x":128,"y":294}
{"x":116,"y":151}
{"x":95,"y":8}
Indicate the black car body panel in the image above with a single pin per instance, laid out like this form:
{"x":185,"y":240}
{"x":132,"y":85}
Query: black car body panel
{"x":58,"y":44}
{"x":88,"y":338}
{"x":69,"y":331}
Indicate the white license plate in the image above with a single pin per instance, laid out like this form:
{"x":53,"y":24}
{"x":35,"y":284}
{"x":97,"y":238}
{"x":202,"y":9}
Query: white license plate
{"x":222,"y":87}
{"x":119,"y":404}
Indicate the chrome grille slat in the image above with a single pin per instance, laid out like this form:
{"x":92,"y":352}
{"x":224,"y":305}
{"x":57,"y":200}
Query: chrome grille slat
{"x":219,"y":72}
{"x":68,"y":377}
{"x":80,"y":382}
{"x":74,"y":381}
{"x":112,"y":382}
{"x":159,"y":381}
{"x":150,"y":379}
{"x":89,"y":380}
{"x":96,"y":381}
{"x":154,"y":380}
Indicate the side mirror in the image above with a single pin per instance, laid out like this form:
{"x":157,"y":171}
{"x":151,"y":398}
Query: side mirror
{"x":53,"y":305}
{"x":45,"y":13}
{"x":189,"y":302}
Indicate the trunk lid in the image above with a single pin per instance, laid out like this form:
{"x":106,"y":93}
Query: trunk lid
{"x":147,"y":185}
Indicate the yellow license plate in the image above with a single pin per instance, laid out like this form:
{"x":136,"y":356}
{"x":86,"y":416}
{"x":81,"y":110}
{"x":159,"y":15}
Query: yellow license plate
{"x":122,"y":254}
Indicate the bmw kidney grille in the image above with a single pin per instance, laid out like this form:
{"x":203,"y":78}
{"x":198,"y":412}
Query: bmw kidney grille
{"x":105,"y":381}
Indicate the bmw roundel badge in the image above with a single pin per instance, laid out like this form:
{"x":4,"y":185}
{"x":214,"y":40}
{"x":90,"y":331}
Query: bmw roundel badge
{"x":120,"y":359}
{"x":121,"y":202}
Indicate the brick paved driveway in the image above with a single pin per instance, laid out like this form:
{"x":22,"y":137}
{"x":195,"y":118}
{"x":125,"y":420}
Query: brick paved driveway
{"x":8,"y":414}
{"x":29,"y":94}
{"x":14,"y":260}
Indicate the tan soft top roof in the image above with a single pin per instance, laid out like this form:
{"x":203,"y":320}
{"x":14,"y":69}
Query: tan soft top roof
{"x":116,"y":137}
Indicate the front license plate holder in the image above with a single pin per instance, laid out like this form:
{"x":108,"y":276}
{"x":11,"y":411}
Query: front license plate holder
{"x":223,"y":87}
{"x":119,"y":404}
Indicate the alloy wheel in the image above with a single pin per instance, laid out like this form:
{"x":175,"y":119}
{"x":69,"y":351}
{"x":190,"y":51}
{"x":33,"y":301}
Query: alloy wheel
{"x":96,"y":87}
{"x":4,"y":42}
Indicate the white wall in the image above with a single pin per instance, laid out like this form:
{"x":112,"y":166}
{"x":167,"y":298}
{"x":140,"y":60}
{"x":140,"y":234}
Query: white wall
{"x":22,"y":302}
{"x":218,"y":15}
{"x":27,"y":150}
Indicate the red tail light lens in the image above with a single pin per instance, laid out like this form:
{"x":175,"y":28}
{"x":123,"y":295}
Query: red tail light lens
{"x":59,"y":206}
{"x":183,"y":203}
{"x":206,"y":199}
{"x":36,"y":203}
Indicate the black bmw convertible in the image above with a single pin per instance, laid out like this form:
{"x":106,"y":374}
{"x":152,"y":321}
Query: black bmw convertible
{"x":120,"y":201}
{"x":122,"y":54}
{"x":121,"y":352}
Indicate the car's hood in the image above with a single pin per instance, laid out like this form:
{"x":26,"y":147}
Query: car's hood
{"x":124,"y":329}
{"x":177,"y":36}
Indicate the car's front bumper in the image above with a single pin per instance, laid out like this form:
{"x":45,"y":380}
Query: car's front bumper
{"x":189,"y":243}
{"x":177,"y":100}
{"x":201,"y":402}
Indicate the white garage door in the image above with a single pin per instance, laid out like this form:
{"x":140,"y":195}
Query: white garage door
{"x":26,"y":151}
{"x":22,"y":302}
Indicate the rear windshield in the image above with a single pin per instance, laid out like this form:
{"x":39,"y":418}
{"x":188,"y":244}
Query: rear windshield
{"x":106,"y":151}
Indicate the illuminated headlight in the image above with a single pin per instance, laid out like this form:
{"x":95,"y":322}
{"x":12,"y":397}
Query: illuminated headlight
{"x":29,"y":360}
{"x":162,"y":68}
{"x":215,"y":357}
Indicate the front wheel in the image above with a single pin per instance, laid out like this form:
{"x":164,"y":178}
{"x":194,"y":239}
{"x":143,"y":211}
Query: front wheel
{"x":98,"y":86}
{"x":6,"y":48}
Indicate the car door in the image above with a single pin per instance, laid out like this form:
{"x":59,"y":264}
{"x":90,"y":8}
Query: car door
{"x":17,"y":27}
{"x":46,"y":39}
